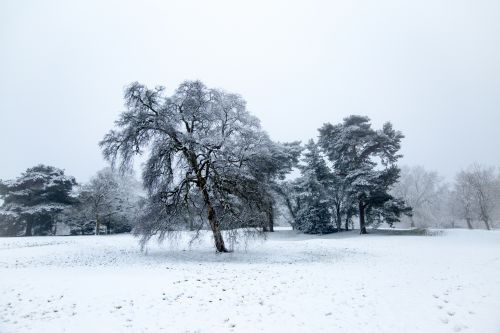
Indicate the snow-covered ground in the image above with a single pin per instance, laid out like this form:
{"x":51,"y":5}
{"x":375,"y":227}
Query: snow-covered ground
{"x":289,"y":283}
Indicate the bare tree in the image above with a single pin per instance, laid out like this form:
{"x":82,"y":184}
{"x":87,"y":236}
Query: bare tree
{"x":108,"y":196}
{"x":464,"y":198}
{"x":476,"y":192}
{"x":424,"y":191}
{"x":485,"y":189}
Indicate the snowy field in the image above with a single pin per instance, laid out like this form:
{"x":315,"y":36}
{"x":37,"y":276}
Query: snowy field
{"x":289,"y":283}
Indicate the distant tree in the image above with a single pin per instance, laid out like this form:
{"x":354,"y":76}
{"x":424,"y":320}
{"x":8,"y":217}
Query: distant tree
{"x":203,"y":146}
{"x":464,"y":200}
{"x":78,"y":218}
{"x":424,"y":191}
{"x":291,"y":198}
{"x":486,"y":188}
{"x":33,"y":200}
{"x":366,"y":159}
{"x":476,"y":190}
{"x":109,"y":199}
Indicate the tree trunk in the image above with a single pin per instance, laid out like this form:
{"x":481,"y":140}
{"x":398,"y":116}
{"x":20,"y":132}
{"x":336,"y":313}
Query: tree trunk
{"x":469,"y":223}
{"x":412,"y":222}
{"x":212,"y":219}
{"x":487,"y":224}
{"x":270,"y":216}
{"x":338,"y":219}
{"x":29,"y":227}
{"x":362,"y":226}
{"x":108,"y":228}
{"x":347,"y":223}
{"x":214,"y":225}
{"x":97,"y":225}
{"x":292,"y":212}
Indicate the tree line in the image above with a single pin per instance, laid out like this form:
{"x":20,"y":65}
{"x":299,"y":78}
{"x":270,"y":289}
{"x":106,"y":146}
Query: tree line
{"x":211,"y":166}
{"x":471,"y":199}
{"x":46,"y":201}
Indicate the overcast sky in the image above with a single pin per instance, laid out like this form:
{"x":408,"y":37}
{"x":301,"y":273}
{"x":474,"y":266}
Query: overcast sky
{"x":431,"y":67}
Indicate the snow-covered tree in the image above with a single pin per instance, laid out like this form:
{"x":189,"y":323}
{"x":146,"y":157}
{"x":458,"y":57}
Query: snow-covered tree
{"x":289,"y":193}
{"x":476,"y":193}
{"x":344,"y":205}
{"x":313,"y":214}
{"x":463,"y":203}
{"x":267,"y":173}
{"x":366,"y":159}
{"x":31,"y":201}
{"x":205,"y":151}
{"x":109,"y":200}
{"x":425,"y":192}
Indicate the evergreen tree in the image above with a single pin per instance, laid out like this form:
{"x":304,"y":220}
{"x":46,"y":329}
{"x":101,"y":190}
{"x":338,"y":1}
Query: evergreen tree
{"x":32,"y":201}
{"x":366,"y":159}
{"x":313,"y":215}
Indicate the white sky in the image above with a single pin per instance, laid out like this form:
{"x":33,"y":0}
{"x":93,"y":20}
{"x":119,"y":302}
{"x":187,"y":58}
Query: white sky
{"x":431,"y":67}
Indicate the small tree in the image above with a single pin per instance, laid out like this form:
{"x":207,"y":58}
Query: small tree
{"x":108,"y":199}
{"x":35,"y":198}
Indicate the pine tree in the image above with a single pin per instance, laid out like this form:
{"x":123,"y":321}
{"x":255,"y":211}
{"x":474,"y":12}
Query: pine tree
{"x":313,"y":215}
{"x":366,"y":159}
{"x":32,"y":201}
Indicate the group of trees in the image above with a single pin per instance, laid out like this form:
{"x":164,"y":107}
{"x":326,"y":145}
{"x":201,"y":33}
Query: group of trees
{"x":471,"y":200}
{"x":348,"y":173}
{"x":210,"y":165}
{"x":44,"y":199}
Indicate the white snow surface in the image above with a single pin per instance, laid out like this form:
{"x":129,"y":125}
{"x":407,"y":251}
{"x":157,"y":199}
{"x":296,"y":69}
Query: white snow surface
{"x":288,"y":283}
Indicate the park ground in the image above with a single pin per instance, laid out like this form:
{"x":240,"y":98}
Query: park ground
{"x":448,"y":281}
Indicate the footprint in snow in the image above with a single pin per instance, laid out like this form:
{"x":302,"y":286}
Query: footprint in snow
{"x":458,"y":328}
